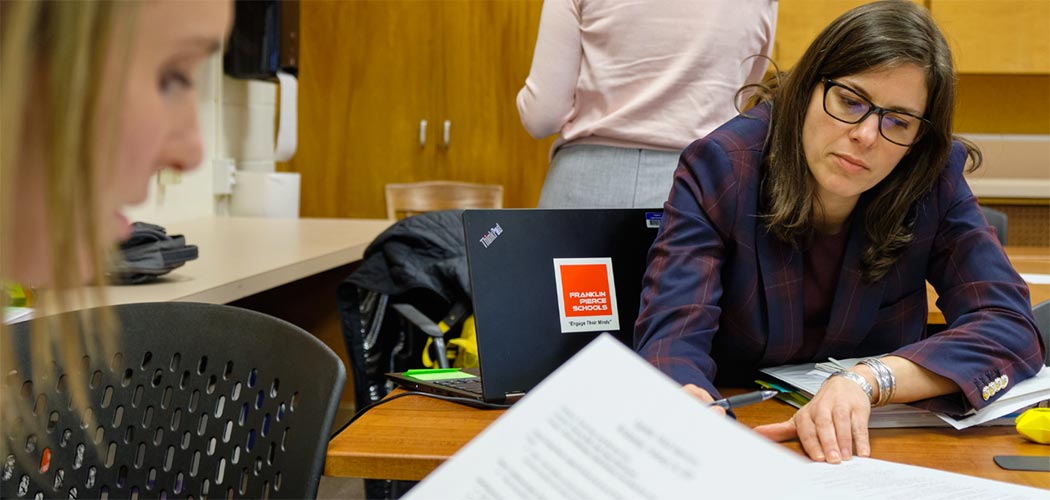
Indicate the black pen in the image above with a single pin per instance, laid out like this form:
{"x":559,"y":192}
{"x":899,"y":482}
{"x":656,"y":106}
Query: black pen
{"x":744,"y":399}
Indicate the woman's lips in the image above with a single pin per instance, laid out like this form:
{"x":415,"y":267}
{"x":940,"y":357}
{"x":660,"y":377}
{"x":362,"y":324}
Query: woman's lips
{"x":850,"y":164}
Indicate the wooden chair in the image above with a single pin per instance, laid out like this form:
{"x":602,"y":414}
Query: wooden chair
{"x":403,"y":200}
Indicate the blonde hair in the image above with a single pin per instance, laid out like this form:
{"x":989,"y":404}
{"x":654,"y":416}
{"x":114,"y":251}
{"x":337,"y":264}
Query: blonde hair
{"x":53,"y":62}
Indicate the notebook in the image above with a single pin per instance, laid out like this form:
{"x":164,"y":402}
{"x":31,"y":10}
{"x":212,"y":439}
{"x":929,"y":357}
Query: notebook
{"x":544,"y":282}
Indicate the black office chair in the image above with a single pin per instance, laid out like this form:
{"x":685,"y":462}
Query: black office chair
{"x":1041,"y":311}
{"x":195,"y":400}
{"x":413,"y":277}
{"x":997,"y":220}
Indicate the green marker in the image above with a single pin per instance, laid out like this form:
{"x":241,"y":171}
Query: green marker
{"x":426,"y":371}
{"x":437,"y":374}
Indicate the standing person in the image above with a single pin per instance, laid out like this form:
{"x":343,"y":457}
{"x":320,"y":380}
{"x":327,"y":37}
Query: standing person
{"x":627,"y":85}
{"x":96,"y":97}
{"x":808,"y":227}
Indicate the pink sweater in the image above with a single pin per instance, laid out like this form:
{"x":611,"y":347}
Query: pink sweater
{"x":653,"y":74}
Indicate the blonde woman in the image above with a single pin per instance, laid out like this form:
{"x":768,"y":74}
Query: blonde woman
{"x":96,"y":97}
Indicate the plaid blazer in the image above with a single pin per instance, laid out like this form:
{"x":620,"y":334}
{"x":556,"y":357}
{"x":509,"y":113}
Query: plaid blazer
{"x":720,"y":288}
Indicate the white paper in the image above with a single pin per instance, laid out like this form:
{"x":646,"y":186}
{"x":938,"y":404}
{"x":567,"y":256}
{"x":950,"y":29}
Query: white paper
{"x":871,"y":478}
{"x":1036,"y":279}
{"x":14,"y":315}
{"x":607,"y":425}
{"x":1022,"y":394}
{"x":806,"y":377}
{"x":287,"y":128}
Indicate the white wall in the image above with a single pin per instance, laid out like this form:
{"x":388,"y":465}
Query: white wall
{"x":1015,"y":166}
{"x":237,"y":123}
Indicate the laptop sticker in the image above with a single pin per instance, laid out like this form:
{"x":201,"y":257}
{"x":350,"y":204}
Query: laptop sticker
{"x":653,"y":219}
{"x":586,"y":295}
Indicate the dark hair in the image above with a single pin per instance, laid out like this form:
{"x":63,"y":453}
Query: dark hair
{"x":878,"y":35}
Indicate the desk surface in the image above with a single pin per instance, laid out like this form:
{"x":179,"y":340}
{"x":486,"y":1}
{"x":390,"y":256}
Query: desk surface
{"x":1027,"y":260}
{"x":409,"y":437}
{"x":242,"y":256}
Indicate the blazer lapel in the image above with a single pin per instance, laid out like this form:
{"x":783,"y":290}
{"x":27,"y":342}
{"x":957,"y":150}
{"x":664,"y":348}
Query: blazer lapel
{"x":780,"y":272}
{"x":856,"y":303}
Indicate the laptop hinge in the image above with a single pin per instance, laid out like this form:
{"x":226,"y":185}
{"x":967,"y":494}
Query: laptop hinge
{"x":512,"y":397}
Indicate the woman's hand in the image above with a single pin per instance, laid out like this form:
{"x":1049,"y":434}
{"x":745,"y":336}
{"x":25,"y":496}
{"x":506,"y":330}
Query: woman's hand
{"x":831,"y":426}
{"x":704,"y":396}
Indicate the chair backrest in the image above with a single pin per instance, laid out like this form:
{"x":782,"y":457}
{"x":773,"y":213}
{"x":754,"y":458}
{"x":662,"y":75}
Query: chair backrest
{"x":403,"y":200}
{"x":1041,"y":311}
{"x":997,"y":220}
{"x":194,"y":400}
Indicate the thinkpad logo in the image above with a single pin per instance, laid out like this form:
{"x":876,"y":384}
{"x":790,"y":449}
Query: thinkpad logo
{"x":491,"y":236}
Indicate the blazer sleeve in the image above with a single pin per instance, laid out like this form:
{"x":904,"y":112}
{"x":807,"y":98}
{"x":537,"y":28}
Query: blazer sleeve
{"x":991,"y":341}
{"x":679,"y":310}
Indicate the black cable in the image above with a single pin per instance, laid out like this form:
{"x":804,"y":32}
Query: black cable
{"x":453,"y":399}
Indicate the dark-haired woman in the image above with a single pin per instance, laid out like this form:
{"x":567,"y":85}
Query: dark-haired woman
{"x":807,"y":228}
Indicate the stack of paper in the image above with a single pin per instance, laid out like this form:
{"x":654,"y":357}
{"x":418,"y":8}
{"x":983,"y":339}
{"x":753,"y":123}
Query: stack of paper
{"x":608,"y":425}
{"x":808,"y":377}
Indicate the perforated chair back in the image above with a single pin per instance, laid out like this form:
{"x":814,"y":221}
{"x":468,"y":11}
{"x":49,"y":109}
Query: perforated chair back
{"x":404,"y":200}
{"x":195,"y":401}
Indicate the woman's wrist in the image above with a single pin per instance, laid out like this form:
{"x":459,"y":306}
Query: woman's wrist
{"x":857,"y":379}
{"x":868,"y":375}
{"x":886,"y":382}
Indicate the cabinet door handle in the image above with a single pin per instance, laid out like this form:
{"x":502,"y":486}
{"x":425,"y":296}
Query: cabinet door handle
{"x":422,"y":133}
{"x":447,"y":132}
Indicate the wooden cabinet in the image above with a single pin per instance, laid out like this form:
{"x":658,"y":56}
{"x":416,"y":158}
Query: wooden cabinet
{"x":798,"y":24}
{"x":1004,"y":36}
{"x":986,"y":37}
{"x":1001,"y":49}
{"x":372,"y":71}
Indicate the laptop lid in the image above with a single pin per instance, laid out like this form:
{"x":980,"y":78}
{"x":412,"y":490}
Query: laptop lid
{"x":545,"y":282}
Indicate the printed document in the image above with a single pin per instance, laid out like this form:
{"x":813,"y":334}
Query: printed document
{"x":607,"y":425}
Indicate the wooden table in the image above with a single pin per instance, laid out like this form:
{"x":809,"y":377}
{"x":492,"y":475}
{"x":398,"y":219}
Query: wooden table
{"x":409,"y":437}
{"x":1029,"y":260}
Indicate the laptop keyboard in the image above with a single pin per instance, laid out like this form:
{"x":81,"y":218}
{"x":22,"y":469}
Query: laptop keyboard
{"x":471,"y":385}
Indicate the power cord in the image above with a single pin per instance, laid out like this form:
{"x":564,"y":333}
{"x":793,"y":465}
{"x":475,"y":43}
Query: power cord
{"x":453,"y":399}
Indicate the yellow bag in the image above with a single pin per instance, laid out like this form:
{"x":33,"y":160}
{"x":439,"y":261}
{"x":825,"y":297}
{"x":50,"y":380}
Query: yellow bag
{"x":462,"y":352}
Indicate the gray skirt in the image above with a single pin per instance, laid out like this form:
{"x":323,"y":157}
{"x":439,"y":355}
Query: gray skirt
{"x":590,"y":176}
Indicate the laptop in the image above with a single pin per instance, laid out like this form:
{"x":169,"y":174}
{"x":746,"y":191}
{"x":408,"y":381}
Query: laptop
{"x":545,"y":282}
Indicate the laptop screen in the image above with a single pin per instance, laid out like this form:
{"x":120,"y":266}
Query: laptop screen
{"x":545,"y":282}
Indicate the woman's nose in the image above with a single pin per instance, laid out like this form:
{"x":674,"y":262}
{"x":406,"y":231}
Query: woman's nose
{"x":867,"y":131}
{"x":186,"y":148}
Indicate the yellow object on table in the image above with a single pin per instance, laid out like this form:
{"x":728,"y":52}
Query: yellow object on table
{"x":1034,"y":424}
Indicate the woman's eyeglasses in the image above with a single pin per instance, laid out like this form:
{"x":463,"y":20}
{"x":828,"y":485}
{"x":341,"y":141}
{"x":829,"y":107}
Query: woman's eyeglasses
{"x":846,"y":105}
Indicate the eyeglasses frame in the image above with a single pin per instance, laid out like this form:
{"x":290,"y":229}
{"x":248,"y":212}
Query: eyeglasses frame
{"x":872,"y":108}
